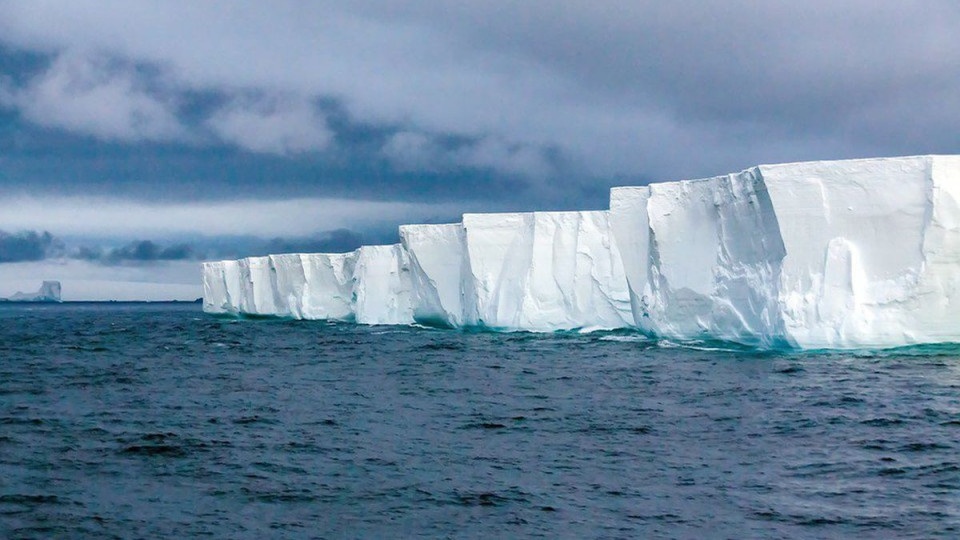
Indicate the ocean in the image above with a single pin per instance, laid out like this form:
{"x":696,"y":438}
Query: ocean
{"x":158,"y":421}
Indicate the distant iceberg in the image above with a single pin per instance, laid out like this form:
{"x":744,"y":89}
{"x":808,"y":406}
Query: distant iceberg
{"x":49,"y":292}
{"x":831,"y":254}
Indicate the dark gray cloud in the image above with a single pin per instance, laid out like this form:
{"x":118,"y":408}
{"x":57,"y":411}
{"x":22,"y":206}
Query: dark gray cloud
{"x":137,"y":251}
{"x":499,"y":101}
{"x":37,"y":246}
{"x":336,"y":241}
{"x":28,"y":246}
{"x":146,"y":250}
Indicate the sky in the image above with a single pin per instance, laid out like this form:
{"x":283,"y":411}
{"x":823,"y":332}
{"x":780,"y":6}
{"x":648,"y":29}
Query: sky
{"x":140,"y":138}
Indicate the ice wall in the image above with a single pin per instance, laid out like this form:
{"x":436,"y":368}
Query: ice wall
{"x":871,"y":250}
{"x":258,"y":280}
{"x":856,"y":253}
{"x":702,"y":257}
{"x":439,"y":271}
{"x":233,"y":286}
{"x":382,"y":286}
{"x":215,"y":288}
{"x":371,"y":286}
{"x":823,"y":254}
{"x":544,"y":271}
{"x":289,"y":284}
{"x":328,"y":286}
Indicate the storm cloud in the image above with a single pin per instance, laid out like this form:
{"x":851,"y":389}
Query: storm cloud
{"x":28,"y":246}
{"x":32,"y":246}
{"x":137,"y":251}
{"x":548,"y":104}
{"x":336,"y":241}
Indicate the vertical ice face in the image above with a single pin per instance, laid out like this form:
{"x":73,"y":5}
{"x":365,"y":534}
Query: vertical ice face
{"x":702,"y":257}
{"x":821,"y":254}
{"x":499,"y":249}
{"x":328,"y":285}
{"x":576,"y":275}
{"x":259,"y":280}
{"x":232,"y":281}
{"x":382,"y":286}
{"x":214,"y":288}
{"x":245,"y":301}
{"x":438,"y":267}
{"x":289,"y":281}
{"x":630,"y":225}
{"x":939,"y":286}
{"x":544,"y":271}
{"x":863,"y":240}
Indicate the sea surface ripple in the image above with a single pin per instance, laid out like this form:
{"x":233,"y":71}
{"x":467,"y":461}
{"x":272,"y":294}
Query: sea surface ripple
{"x":157,"y":421}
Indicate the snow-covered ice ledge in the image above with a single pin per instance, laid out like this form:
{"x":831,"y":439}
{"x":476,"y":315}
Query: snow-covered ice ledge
{"x":831,"y":254}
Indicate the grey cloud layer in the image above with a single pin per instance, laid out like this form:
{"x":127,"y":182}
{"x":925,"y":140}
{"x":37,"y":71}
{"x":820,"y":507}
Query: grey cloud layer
{"x":29,"y":246}
{"x":658,"y":89}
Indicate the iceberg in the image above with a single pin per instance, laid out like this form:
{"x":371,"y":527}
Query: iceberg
{"x":258,"y":286}
{"x":49,"y":292}
{"x":872,"y":250}
{"x":828,"y":254}
{"x":539,"y":271}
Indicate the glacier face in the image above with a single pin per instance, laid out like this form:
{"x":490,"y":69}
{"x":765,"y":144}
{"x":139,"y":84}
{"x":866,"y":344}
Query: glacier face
{"x":855,"y":253}
{"x":328,"y":286}
{"x":702,"y":258}
{"x":544,"y":271}
{"x":382,"y":286}
{"x":438,"y":268}
{"x":871,"y":250}
{"x":370,"y":285}
{"x":538,"y":271}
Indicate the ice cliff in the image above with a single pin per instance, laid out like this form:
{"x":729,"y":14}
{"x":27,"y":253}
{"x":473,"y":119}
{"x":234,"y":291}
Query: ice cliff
{"x":543,"y":271}
{"x":836,"y":254}
{"x":822,"y":254}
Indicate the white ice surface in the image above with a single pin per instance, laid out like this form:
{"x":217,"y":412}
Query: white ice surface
{"x":872,"y":250}
{"x":835,"y":254}
{"x":382,"y":286}
{"x":328,"y":285}
{"x":214,"y":288}
{"x":438,"y":268}
{"x":703,"y":259}
{"x":289,"y":282}
{"x":544,"y":271}
{"x":856,"y":253}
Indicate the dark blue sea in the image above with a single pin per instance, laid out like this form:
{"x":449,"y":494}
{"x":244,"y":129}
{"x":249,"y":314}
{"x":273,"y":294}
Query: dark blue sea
{"x":157,"y":421}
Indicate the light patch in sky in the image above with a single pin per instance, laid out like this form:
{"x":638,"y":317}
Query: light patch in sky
{"x":281,"y":126}
{"x":81,"y":216}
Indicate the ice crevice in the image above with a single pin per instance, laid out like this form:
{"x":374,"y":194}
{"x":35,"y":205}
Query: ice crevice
{"x":829,"y":254}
